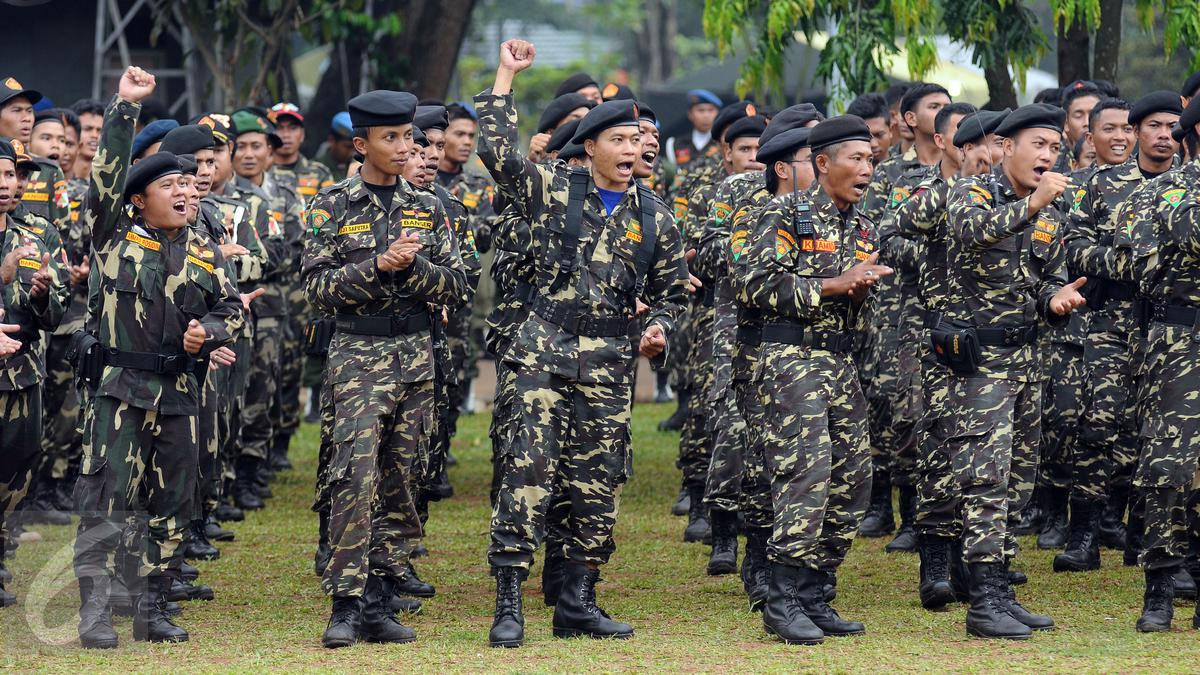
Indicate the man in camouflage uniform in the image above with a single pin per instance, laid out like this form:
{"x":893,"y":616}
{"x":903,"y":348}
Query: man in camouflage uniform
{"x":1106,"y":447}
{"x":1165,"y":233}
{"x":163,"y":306}
{"x":810,"y":264}
{"x":380,"y":254}
{"x":687,"y":151}
{"x":574,"y":352}
{"x":1007,"y":268}
{"x":263,"y":415}
{"x":878,"y":353}
{"x":34,"y":293}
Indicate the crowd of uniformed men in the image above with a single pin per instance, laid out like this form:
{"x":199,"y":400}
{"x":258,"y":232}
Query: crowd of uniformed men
{"x":996,"y":312}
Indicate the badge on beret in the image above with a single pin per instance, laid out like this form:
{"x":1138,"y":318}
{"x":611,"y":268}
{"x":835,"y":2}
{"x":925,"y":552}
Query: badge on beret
{"x":750,"y":110}
{"x":610,"y":90}
{"x":12,"y":83}
{"x":1173,"y":198}
{"x":737,"y":244}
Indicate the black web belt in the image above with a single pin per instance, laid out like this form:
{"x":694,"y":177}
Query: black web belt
{"x":383,"y":326}
{"x":800,"y":336}
{"x":566,"y":315}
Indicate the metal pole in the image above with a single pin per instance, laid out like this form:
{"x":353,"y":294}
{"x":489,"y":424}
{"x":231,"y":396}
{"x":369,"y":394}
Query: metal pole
{"x":98,"y":49}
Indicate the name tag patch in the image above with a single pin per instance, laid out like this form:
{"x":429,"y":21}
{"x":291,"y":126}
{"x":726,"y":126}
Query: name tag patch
{"x":200,"y":263}
{"x":354,"y":228}
{"x":143,"y":241}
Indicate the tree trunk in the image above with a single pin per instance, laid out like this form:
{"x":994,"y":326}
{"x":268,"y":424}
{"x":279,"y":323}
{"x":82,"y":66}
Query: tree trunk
{"x":1108,"y":41}
{"x":330,"y":98}
{"x":1001,"y":93}
{"x":1073,"y":56}
{"x":427,"y":49}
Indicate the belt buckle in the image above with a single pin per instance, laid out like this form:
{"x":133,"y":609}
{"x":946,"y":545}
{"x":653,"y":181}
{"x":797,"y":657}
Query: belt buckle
{"x":1012,"y":336}
{"x":165,"y":363}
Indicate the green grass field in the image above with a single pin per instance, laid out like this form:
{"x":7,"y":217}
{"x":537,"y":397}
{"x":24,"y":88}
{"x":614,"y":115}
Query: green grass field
{"x":269,"y":612}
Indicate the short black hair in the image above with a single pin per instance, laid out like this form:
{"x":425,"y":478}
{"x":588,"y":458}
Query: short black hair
{"x":1109,"y":89}
{"x":1079,"y":146}
{"x":1049,"y":95}
{"x":457,"y":111}
{"x":68,"y":118}
{"x":1106,"y":104}
{"x":88,"y":106}
{"x":769,"y":172}
{"x":917,"y":92}
{"x":944,"y":115}
{"x":895,"y":93}
{"x":870,"y":106}
{"x":1078,"y":90}
{"x":360,"y":132}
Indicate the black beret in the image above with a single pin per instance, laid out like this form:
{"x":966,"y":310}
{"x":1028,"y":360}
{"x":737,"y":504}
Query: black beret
{"x":645,"y":112}
{"x":616,"y":92}
{"x":1191,"y":85}
{"x":783,"y":144}
{"x":1032,"y":116}
{"x":431,"y":117}
{"x":606,"y":116}
{"x":382,"y":108}
{"x":839,"y":130}
{"x":574,"y":83}
{"x":187,"y":139}
{"x":419,"y":137}
{"x":187,"y":164}
{"x":747,"y":127}
{"x":221,"y":125}
{"x":7,"y":152}
{"x":10,"y":89}
{"x":975,"y":126}
{"x":730,"y":114}
{"x":149,"y":170}
{"x":571,"y":151}
{"x":791,"y":117}
{"x":560,"y":108}
{"x":248,"y":121}
{"x":562,"y":136}
{"x":1191,"y":115}
{"x":1155,"y":102}
{"x":1178,"y":132}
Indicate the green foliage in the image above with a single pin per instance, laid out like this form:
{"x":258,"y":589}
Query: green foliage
{"x":1181,"y":25}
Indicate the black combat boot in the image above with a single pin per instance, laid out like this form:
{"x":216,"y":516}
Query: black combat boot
{"x":1083,"y":544}
{"x":1112,"y":521}
{"x":756,"y":569}
{"x":1017,"y":611}
{"x":1135,"y":530}
{"x":197,"y":546}
{"x":324,"y":551}
{"x":214,"y":532}
{"x":698,"y":528}
{"x":935,"y":589}
{"x":379,"y":622}
{"x":675,"y":421}
{"x":188,"y":572}
{"x":723,"y":559}
{"x":1054,"y":529}
{"x":228,"y":513}
{"x":1158,"y":603}
{"x":906,"y":537}
{"x":879,"y":520}
{"x":411,"y":584}
{"x":342,"y":630}
{"x":817,"y":607}
{"x":263,"y":478}
{"x":5,"y":575}
{"x":313,"y":414}
{"x":576,"y":613}
{"x":279,"y":452}
{"x":508,"y":626}
{"x":960,"y":576}
{"x":150,"y":619}
{"x":39,"y":507}
{"x":403,"y":605}
{"x":683,"y":503}
{"x":783,"y":612}
{"x":988,"y":615}
{"x":662,"y":392}
{"x":183,"y":591}
{"x":7,"y":599}
{"x":552,"y":574}
{"x":1030,"y":520}
{"x":1185,"y":585}
{"x":95,"y":617}
{"x":245,"y":493}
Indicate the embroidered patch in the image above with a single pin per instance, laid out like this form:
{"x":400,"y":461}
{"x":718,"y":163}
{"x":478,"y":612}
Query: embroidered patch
{"x":784,"y":243}
{"x":1079,"y":195}
{"x":633,"y":231}
{"x":683,"y":156}
{"x":978,"y":195}
{"x":681,"y":207}
{"x":740,"y":216}
{"x":471,"y":200}
{"x":1044,"y":237}
{"x":30,"y":263}
{"x":819,"y":245}
{"x":142,"y":241}
{"x":471,"y":242}
{"x":1174,"y":197}
{"x":35,"y":197}
{"x":36,"y":230}
{"x":721,"y":211}
{"x":737,"y":244}
{"x":1046,"y":226}
{"x":419,"y":223}
{"x":899,"y":196}
{"x":354,"y":228}
{"x":200,"y":263}
{"x":317,"y":218}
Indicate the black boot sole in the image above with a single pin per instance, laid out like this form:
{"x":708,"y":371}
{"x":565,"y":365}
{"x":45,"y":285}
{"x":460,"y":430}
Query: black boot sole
{"x":579,"y":632}
{"x":1074,"y":567}
{"x":1152,"y":628}
{"x":721,"y":567}
{"x":786,"y":641}
{"x":506,"y":644}
{"x":935,"y":600}
{"x":979,"y":634}
{"x":337,"y":644}
{"x":99,"y":644}
{"x":377,"y":641}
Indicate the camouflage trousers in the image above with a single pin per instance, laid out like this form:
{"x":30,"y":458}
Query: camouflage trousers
{"x":737,"y":478}
{"x":907,"y":406}
{"x":137,"y":464}
{"x":231,"y":399}
{"x":938,"y":495}
{"x":1062,"y":402}
{"x":695,"y":438}
{"x":993,"y":430}
{"x":680,"y":343}
{"x":1106,"y":446}
{"x":380,"y":432}
{"x":878,"y":386}
{"x":286,"y":410}
{"x":20,"y":430}
{"x":808,"y":416}
{"x":503,"y":425}
{"x":61,"y":440}
{"x":209,"y":429}
{"x":258,"y":419}
{"x":1167,"y":466}
{"x":570,"y":432}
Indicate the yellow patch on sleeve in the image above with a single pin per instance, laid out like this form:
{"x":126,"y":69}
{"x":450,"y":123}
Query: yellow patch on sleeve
{"x":737,"y":243}
{"x":30,"y":263}
{"x":721,"y":211}
{"x":144,"y":242}
{"x":200,"y":263}
{"x":784,"y":243}
{"x":1044,"y":237}
{"x":1174,"y":198}
{"x":978,"y":195}
{"x":899,"y":196}
{"x":354,"y":228}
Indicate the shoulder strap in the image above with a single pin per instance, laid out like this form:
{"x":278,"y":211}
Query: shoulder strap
{"x":645,"y":253}
{"x":570,"y":242}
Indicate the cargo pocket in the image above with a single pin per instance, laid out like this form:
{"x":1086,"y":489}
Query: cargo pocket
{"x":91,"y":494}
{"x":342,"y":439}
{"x":973,"y":452}
{"x":1164,"y":461}
{"x":425,"y":465}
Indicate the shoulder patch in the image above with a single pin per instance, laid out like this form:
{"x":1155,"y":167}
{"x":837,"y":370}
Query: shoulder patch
{"x":1079,"y":195}
{"x":1173,"y":198}
{"x":721,"y":211}
{"x":899,"y":196}
{"x":317,"y":218}
{"x":784,"y":243}
{"x":979,"y":195}
{"x":737,"y":244}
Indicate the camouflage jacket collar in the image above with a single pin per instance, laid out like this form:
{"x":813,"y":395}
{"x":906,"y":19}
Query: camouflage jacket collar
{"x":356,"y":190}
{"x":825,"y":210}
{"x":243,"y":184}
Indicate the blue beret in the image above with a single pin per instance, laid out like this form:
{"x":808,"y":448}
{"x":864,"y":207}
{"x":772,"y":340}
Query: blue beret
{"x":151,"y":134}
{"x":703,"y":96}
{"x":149,"y":170}
{"x":341,"y":125}
{"x":622,"y":113}
{"x":382,"y":108}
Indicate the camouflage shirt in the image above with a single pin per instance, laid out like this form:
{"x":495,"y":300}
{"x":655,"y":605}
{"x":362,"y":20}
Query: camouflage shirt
{"x":34,"y":315}
{"x":922,"y":218}
{"x":150,"y":284}
{"x":476,"y":193}
{"x":228,"y":221}
{"x":306,"y":177}
{"x":602,"y":282}
{"x":1167,"y":240}
{"x":282,"y":241}
{"x":1004,"y":267}
{"x":350,"y":230}
{"x":46,"y":194}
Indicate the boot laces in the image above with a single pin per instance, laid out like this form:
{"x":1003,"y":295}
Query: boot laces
{"x":508,"y":594}
{"x":938,"y":562}
{"x":587,"y":594}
